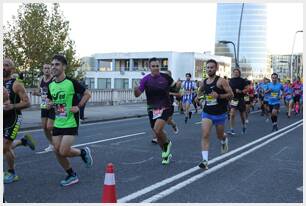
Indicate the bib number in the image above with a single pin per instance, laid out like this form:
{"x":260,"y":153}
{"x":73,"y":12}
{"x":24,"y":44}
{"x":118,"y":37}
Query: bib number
{"x":246,"y":98}
{"x":210,"y":101}
{"x":60,"y":111}
{"x":157,"y":113}
{"x":43,"y":104}
{"x":274,"y":95}
{"x":234,"y":103}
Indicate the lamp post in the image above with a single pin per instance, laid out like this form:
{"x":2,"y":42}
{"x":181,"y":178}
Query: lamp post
{"x":230,"y":42}
{"x":239,"y":31}
{"x":291,"y":59}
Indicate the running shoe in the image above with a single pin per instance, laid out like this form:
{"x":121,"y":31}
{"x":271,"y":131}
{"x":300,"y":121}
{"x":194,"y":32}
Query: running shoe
{"x":224,"y":146}
{"x":50,"y":148}
{"x":70,"y":180}
{"x":274,"y":128}
{"x":154,"y":140}
{"x":175,"y":129}
{"x":190,"y":113}
{"x":87,"y":158}
{"x":166,"y":160}
{"x":167,"y":153}
{"x":30,"y":141}
{"x":203,"y":164}
{"x":231,"y":132}
{"x":10,"y":177}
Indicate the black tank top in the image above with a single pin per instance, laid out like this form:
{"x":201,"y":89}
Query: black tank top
{"x":14,"y":98}
{"x":214,"y":106}
{"x":44,"y":86}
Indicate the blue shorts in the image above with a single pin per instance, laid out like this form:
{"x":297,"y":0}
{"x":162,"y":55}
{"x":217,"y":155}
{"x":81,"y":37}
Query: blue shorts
{"x":216,"y":119}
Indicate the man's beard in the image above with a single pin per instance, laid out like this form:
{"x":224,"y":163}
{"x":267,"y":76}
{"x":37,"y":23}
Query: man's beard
{"x":6,"y":74}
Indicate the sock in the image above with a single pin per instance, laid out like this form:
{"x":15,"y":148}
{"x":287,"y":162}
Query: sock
{"x":23,"y":141}
{"x":205,"y":155}
{"x":70,"y":172}
{"x":83,"y":153}
{"x":11,"y":171}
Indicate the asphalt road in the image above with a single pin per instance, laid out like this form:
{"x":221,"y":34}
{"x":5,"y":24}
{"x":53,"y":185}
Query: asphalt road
{"x":260,"y":166}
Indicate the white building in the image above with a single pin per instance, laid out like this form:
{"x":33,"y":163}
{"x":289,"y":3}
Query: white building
{"x":124,"y":70}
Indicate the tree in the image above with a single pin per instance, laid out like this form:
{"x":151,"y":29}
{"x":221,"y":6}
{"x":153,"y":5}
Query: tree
{"x":34,"y":36}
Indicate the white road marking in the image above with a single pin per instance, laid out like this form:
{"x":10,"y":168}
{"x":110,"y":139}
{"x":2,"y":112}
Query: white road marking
{"x":99,"y":141}
{"x":191,"y":170}
{"x":176,"y":187}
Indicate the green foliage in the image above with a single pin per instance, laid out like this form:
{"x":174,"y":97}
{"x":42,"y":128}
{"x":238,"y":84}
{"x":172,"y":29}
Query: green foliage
{"x":34,"y":36}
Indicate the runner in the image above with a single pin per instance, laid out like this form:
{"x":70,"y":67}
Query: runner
{"x":47,"y":116}
{"x":247,"y":100}
{"x":298,"y":91}
{"x":288,"y":97}
{"x":189,"y":88}
{"x":217,"y":92}
{"x":157,"y":86}
{"x":15,"y":99}
{"x":238,"y":86}
{"x":62,"y":96}
{"x":274,"y":91}
{"x":266,"y":98}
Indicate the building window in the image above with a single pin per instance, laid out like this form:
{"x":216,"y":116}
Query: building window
{"x":104,"y":65}
{"x":122,"y":83}
{"x":164,"y":64}
{"x":104,"y":83}
{"x":90,"y":82}
{"x":122,"y":64}
{"x":135,"y":82}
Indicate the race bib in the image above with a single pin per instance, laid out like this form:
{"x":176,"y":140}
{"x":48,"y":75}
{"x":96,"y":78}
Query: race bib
{"x":297,"y":91}
{"x":210,"y":101}
{"x":246,"y":98}
{"x":43,"y":104}
{"x":60,"y":111}
{"x":234,"y":103}
{"x":157,"y":113}
{"x":274,"y":94}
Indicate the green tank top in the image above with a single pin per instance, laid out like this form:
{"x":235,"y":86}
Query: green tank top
{"x":63,"y":95}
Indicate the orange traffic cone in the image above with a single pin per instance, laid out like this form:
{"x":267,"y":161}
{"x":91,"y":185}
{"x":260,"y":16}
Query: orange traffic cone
{"x":109,"y":190}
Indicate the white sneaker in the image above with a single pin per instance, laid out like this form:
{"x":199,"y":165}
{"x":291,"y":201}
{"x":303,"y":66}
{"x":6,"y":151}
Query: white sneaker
{"x":49,"y":148}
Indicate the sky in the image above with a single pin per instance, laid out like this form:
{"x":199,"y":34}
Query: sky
{"x":130,"y":27}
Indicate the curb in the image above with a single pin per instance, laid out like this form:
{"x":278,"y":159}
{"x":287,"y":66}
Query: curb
{"x":90,"y":121}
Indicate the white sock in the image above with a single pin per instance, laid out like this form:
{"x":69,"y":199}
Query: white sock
{"x":205,"y":155}
{"x":224,"y":141}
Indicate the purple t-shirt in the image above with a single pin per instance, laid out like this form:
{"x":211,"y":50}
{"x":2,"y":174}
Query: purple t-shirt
{"x":157,"y":90}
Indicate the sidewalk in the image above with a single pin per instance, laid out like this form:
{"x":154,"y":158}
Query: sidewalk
{"x":94,"y":113}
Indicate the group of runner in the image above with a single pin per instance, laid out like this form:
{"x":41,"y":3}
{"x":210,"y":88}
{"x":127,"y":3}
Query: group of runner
{"x":59,"y":115}
{"x":216,"y":95}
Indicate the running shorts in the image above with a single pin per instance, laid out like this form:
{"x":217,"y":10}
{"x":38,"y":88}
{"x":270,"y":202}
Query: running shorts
{"x":65,"y":131}
{"x":164,"y":116}
{"x":45,"y":113}
{"x":216,"y":119}
{"x":11,"y":127}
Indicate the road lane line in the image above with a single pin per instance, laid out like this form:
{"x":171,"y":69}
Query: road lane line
{"x":99,"y":141}
{"x":191,"y":170}
{"x":179,"y":186}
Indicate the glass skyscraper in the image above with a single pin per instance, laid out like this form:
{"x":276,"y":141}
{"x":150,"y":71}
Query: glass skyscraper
{"x":251,"y":49}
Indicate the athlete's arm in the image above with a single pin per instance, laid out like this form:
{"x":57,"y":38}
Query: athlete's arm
{"x":19,"y":89}
{"x":229,"y":92}
{"x":85,"y":98}
{"x":139,"y":89}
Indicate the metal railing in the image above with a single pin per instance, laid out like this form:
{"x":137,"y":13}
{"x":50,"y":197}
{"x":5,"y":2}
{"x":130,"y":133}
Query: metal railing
{"x":103,"y":97}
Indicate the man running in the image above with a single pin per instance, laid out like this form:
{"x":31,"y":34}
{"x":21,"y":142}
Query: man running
{"x":274,"y":91}
{"x":47,"y":116}
{"x":157,"y":87}
{"x":189,"y":88}
{"x":16,"y":99}
{"x":248,"y":100}
{"x":288,"y":97}
{"x":298,"y":90}
{"x":217,"y":92}
{"x":238,"y":86}
{"x":266,"y":98}
{"x":62,"y":96}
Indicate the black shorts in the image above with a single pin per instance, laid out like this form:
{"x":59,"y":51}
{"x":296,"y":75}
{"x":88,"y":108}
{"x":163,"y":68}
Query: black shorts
{"x":45,"y":113}
{"x":171,"y":110}
{"x":241,"y":105}
{"x":65,"y":131}
{"x":296,"y":98}
{"x":11,"y":127}
{"x":275,"y":106}
{"x":165,"y":116}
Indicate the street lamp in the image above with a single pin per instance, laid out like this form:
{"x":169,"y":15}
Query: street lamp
{"x":230,"y":42}
{"x":291,"y":59}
